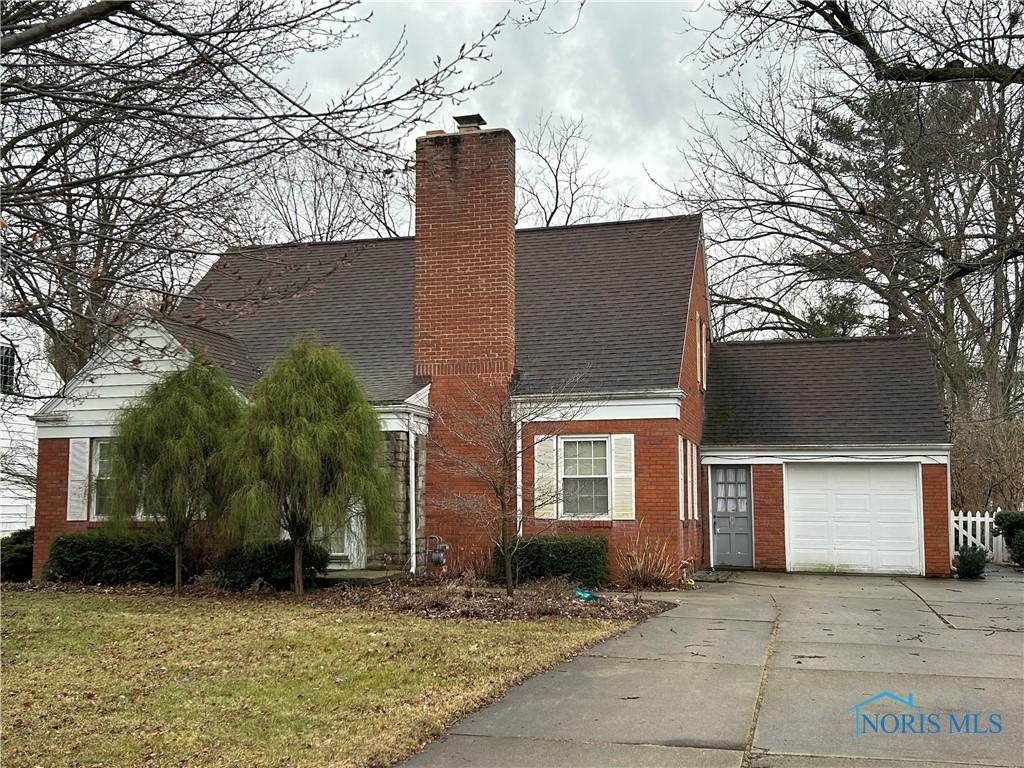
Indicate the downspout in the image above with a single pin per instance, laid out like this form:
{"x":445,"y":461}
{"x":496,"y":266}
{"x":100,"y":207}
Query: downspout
{"x":412,"y":496}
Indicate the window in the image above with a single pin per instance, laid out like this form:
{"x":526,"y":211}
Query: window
{"x":705,"y":346}
{"x":699,"y":332}
{"x":703,"y":343}
{"x":585,"y":477}
{"x":689,"y":480}
{"x":100,"y":479}
{"x":8,"y":370}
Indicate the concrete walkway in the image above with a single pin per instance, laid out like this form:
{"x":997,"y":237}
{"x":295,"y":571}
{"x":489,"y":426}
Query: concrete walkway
{"x":761,"y":670}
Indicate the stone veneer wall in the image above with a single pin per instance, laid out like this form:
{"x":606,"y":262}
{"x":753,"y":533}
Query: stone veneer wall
{"x":395,"y":554}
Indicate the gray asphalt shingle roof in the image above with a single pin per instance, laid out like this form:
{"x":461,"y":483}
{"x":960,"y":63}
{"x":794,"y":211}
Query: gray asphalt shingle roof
{"x":849,"y":391}
{"x":602,"y":303}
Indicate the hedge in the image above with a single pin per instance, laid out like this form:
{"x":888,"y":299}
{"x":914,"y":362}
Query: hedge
{"x":16,"y":555}
{"x":1010,"y":525}
{"x":103,"y":557}
{"x":1017,"y":548}
{"x":267,"y":562}
{"x":581,"y":559}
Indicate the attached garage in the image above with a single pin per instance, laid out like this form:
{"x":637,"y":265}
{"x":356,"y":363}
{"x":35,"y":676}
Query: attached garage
{"x":826,"y":455}
{"x":855,"y":518}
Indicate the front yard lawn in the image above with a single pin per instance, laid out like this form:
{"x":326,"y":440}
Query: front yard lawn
{"x":136,"y":680}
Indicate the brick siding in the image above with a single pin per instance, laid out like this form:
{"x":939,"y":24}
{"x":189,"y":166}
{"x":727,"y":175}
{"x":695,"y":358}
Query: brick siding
{"x":655,"y":482}
{"x":769,"y":517}
{"x":51,"y":500}
{"x":935,"y":504}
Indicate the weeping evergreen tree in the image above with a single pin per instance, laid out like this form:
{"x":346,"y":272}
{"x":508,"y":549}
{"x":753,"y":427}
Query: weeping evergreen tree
{"x":308,"y":456}
{"x":166,"y":453}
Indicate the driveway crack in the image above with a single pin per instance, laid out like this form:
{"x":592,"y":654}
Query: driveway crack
{"x":748,"y":749}
{"x":916,"y":594}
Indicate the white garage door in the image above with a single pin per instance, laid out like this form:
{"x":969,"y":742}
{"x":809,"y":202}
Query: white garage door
{"x":859,"y":518}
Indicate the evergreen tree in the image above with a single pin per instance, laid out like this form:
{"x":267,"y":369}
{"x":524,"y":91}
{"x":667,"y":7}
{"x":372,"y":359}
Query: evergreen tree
{"x":166,"y":451}
{"x":309,"y":456}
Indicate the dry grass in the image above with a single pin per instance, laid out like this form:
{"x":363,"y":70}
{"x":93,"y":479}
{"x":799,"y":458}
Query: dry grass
{"x":151,"y":680}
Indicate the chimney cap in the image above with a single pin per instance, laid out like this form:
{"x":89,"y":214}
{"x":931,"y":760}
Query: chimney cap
{"x":469,"y":121}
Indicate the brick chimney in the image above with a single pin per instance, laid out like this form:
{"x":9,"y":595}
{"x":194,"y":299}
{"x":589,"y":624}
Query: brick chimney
{"x":465,"y":318}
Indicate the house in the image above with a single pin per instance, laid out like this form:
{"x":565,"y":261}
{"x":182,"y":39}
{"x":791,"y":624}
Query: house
{"x":25,"y":376}
{"x":820,"y":455}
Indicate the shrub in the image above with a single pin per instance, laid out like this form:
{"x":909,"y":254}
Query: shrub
{"x":581,"y":559}
{"x":970,"y":562}
{"x":1008,"y":524}
{"x":103,"y":557}
{"x":16,"y":556}
{"x":268,"y":562}
{"x":1017,"y":548}
{"x":648,"y":564}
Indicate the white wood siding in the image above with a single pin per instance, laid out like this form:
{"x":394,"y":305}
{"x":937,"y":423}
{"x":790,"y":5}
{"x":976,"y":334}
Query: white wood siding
{"x":93,"y":399}
{"x":17,"y":431}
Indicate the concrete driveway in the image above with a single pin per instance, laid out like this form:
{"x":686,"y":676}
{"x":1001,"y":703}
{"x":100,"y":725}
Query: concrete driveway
{"x":762,"y":670}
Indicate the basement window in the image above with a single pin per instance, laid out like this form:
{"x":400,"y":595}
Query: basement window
{"x":585,"y":477}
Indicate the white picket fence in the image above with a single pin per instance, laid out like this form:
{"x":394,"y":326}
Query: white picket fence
{"x":968,"y":527}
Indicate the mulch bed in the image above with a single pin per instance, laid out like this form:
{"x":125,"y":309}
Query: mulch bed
{"x":425,"y":597}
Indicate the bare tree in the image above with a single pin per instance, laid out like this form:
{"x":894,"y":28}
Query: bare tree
{"x":903,"y":198}
{"x":988,"y":464}
{"x":898,"y":40}
{"x":556,"y":184}
{"x":484,"y":441}
{"x":133,"y":134}
{"x":304,"y":197}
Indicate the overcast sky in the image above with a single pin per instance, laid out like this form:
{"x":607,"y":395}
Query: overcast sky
{"x":622,"y":68}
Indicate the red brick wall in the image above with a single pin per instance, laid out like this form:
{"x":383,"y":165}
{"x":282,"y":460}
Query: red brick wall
{"x":769,"y":517}
{"x":692,"y":533}
{"x":465,"y":254}
{"x":51,"y":499}
{"x":656,"y":486}
{"x":460,"y":508}
{"x":464,"y":328}
{"x":935,"y":502}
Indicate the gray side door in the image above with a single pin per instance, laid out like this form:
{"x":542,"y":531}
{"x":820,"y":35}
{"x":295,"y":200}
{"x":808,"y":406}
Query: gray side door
{"x":732,"y":523}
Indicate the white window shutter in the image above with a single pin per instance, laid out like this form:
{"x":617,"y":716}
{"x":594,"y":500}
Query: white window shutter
{"x":78,"y":478}
{"x":694,"y":478}
{"x":545,"y":477}
{"x":623,"y":505}
{"x":684,"y":458}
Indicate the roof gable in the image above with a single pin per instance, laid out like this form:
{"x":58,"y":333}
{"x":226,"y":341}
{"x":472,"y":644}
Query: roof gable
{"x":844,"y":391}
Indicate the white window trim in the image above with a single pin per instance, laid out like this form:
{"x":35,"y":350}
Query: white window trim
{"x":700,"y":351}
{"x":560,"y":477}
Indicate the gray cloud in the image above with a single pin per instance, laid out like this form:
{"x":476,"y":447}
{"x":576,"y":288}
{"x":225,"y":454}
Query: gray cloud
{"x":621,"y":69}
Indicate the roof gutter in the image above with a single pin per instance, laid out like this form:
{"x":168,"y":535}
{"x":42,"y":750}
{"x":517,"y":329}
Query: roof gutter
{"x":587,"y":397}
{"x":830,"y":447}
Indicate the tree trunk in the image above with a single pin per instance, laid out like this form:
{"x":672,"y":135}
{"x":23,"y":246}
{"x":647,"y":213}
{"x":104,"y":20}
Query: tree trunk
{"x":506,"y":551}
{"x":178,"y":549}
{"x":509,"y":585}
{"x":297,"y":549}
